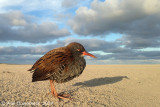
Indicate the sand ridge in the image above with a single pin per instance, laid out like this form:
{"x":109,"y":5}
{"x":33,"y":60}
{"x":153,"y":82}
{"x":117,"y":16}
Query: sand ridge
{"x":98,"y":86}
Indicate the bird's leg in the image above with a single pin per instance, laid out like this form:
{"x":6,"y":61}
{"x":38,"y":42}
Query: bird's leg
{"x":55,"y":94}
{"x":52,"y":91}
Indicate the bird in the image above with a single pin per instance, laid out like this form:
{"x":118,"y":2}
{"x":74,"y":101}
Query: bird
{"x":60,"y":65}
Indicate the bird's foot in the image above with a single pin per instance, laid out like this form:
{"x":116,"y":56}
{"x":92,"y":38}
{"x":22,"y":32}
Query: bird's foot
{"x":63,"y":96}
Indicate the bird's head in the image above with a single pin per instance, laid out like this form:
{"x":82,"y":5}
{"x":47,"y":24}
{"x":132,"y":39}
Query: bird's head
{"x":78,"y":49}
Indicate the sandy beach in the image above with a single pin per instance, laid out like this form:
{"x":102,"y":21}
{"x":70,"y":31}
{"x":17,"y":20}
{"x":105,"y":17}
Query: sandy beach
{"x":98,"y":86}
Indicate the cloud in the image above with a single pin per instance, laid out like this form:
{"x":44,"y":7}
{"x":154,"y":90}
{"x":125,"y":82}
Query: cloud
{"x":27,"y":6}
{"x":19,"y":59}
{"x":24,"y":54}
{"x":15,"y":26}
{"x":137,"y":20}
{"x":113,"y":16}
{"x":138,"y":42}
{"x":69,"y":3}
{"x":32,"y":50}
{"x":89,"y":44}
{"x":105,"y":52}
{"x":93,"y":44}
{"x":134,"y":19}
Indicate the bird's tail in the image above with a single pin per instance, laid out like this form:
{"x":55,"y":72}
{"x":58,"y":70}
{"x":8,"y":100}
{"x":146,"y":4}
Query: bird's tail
{"x":39,"y":76}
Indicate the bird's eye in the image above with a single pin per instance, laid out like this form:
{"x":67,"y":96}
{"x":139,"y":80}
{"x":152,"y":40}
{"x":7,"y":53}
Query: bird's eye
{"x":78,"y":50}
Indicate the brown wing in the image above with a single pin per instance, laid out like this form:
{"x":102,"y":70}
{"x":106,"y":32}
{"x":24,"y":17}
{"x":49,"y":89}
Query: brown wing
{"x":53,"y":61}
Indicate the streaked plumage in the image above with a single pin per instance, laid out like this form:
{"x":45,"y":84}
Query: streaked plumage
{"x":60,"y":64}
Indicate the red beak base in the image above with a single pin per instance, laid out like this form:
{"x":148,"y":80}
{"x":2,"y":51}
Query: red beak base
{"x":86,"y":53}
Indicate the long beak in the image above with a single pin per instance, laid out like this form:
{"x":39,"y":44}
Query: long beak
{"x":86,"y":53}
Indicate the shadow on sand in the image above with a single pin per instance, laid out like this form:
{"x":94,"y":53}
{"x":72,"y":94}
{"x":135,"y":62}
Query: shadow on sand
{"x":100,"y":81}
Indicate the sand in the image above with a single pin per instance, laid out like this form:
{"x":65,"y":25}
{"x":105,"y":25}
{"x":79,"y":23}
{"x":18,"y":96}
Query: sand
{"x":98,"y":86}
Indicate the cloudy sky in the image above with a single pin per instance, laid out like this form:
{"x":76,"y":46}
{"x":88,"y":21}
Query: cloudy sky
{"x":116,"y":31}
